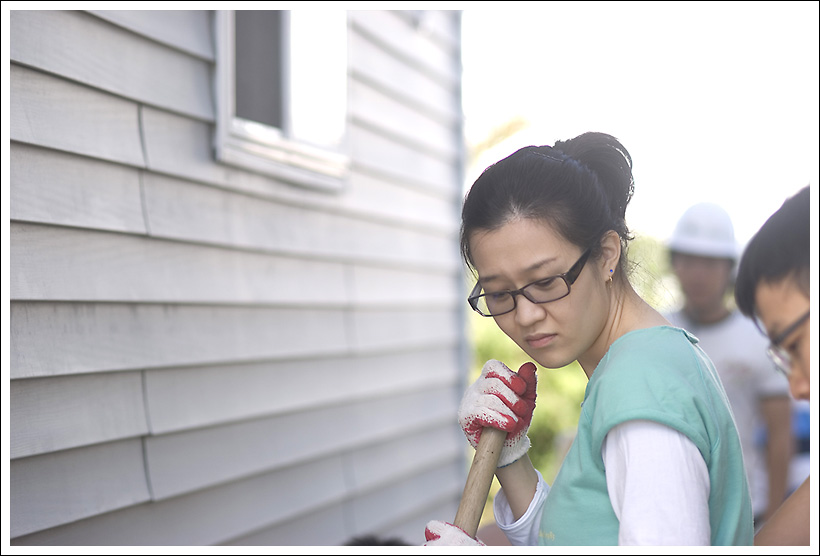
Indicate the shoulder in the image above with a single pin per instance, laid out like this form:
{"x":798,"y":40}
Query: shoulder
{"x":649,"y":349}
{"x":658,"y":374}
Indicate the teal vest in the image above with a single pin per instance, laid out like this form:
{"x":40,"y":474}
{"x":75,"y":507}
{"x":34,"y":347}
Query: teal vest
{"x":657,"y":374}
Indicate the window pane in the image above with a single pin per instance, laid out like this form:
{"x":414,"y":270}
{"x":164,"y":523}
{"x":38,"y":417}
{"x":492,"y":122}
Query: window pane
{"x":259,"y":66}
{"x":318,"y":73}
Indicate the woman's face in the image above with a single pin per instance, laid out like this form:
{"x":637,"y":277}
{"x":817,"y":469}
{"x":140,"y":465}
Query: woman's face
{"x":522,"y":251}
{"x":779,"y":305}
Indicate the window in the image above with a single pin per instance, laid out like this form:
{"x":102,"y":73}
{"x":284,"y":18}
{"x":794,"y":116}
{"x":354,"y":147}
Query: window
{"x":281,"y":89}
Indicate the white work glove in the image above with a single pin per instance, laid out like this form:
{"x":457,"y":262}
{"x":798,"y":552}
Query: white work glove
{"x":504,"y":400}
{"x":441,"y":533}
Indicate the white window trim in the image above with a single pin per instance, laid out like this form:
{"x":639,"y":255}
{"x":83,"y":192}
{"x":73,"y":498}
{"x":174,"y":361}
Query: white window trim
{"x":262,"y":148}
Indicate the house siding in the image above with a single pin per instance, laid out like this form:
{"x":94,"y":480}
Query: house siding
{"x":203,"y":355}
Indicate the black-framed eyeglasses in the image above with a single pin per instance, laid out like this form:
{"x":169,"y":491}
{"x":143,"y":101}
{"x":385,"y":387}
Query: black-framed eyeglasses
{"x":545,"y":290}
{"x":777,"y":353}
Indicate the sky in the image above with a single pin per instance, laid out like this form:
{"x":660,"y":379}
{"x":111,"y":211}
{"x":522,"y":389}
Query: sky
{"x":715,"y":101}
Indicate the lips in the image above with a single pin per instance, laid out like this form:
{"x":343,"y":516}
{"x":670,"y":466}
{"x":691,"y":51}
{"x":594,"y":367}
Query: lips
{"x":539,"y":340}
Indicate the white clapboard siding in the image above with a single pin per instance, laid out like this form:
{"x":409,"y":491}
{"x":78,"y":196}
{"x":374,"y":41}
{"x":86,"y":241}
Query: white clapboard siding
{"x":401,"y":203}
{"x":92,"y":51}
{"x":327,"y":526}
{"x":369,"y":510}
{"x":379,"y":463}
{"x":197,"y":397}
{"x":186,"y":461}
{"x":187,"y":211}
{"x":226,"y":512}
{"x":416,"y":38}
{"x":60,"y":188}
{"x":186,"y":30}
{"x":51,"y":263}
{"x":62,"y":338}
{"x":57,"y":187}
{"x":204,"y":355}
{"x":380,"y":329}
{"x":181,"y":147}
{"x":390,"y":69}
{"x":212,"y":515}
{"x":376,"y":153}
{"x":53,"y":414}
{"x":65,"y":338}
{"x":381,"y":110}
{"x":82,"y":482}
{"x":52,"y":112}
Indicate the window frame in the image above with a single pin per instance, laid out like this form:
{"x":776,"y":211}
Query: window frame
{"x":259,"y":147}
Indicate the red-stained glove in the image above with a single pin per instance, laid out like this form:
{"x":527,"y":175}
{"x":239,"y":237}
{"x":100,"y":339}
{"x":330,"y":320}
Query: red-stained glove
{"x":441,"y":533}
{"x":504,"y":400}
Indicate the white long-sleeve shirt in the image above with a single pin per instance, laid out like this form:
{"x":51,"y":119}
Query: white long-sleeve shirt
{"x":658,"y":486}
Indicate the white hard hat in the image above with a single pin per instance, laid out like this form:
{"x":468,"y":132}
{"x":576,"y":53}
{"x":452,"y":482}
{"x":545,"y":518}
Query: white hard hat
{"x":705,"y":229}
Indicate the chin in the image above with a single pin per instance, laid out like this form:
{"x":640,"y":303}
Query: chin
{"x":549,"y":361}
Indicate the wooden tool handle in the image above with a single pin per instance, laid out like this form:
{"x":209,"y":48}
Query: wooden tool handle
{"x":479,"y":480}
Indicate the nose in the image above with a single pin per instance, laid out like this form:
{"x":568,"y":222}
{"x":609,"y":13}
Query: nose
{"x":527,"y":312}
{"x":799,"y":383}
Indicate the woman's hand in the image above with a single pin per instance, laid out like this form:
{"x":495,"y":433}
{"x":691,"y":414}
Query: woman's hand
{"x":504,"y":400}
{"x":441,"y":533}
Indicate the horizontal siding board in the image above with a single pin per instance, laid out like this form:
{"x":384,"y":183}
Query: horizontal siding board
{"x":383,"y":329}
{"x":61,"y":487}
{"x":376,"y":153}
{"x":58,"y":413}
{"x":442,"y":26}
{"x":191,"y":212}
{"x":91,"y":51}
{"x":390,"y":200}
{"x":197,"y":397}
{"x":60,"y":188}
{"x":373,"y":287}
{"x":210,"y":516}
{"x":374,"y":509}
{"x":411,"y":527}
{"x":288,"y":356}
{"x":51,"y":112}
{"x":412,"y":47}
{"x":381,"y":111}
{"x":323,"y":527}
{"x":186,"y":461}
{"x":56,"y":187}
{"x":393,"y":460}
{"x":51,"y":263}
{"x":182,"y":148}
{"x":67,"y":338}
{"x":382,"y":70}
{"x":186,"y":30}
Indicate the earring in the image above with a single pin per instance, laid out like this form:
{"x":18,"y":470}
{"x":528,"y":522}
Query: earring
{"x":610,"y":275}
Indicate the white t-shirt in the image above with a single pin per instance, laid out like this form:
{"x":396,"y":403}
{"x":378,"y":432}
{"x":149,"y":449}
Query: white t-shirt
{"x":738,"y":351}
{"x":658,"y":485}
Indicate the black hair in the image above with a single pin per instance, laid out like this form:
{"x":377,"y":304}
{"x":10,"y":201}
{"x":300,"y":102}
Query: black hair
{"x":780,"y":249}
{"x":580,"y":187}
{"x":373,"y":540}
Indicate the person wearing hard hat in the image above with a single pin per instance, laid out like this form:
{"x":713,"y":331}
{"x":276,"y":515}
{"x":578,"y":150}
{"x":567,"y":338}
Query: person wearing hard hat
{"x":703,"y":253}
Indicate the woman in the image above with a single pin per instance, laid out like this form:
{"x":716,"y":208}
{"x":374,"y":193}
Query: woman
{"x":656,"y":459}
{"x":773,"y":288}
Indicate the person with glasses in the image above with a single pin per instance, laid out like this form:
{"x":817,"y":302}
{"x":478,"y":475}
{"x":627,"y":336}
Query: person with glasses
{"x":773,"y":289}
{"x":656,"y":459}
{"x":703,"y":255}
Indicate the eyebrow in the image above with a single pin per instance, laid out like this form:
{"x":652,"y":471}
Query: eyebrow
{"x":484,"y":279}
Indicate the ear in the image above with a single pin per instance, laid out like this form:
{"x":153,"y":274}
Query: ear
{"x":610,"y":254}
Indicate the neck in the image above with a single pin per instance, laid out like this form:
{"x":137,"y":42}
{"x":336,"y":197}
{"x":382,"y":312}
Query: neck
{"x":708,"y":315}
{"x":628,"y":312}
